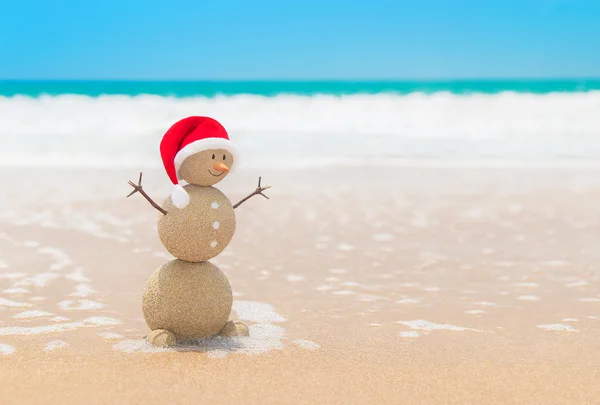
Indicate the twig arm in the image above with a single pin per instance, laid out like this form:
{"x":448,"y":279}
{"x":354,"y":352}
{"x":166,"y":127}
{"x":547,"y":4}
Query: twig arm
{"x":259,"y":191}
{"x":138,"y":188}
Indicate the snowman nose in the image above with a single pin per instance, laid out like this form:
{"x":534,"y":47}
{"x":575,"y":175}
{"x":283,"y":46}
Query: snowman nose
{"x":220,"y":167}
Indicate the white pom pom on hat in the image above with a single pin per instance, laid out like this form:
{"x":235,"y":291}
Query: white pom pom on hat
{"x":187,"y":137}
{"x":179,"y":196}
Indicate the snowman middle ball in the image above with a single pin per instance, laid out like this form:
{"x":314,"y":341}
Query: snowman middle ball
{"x":202,"y":229}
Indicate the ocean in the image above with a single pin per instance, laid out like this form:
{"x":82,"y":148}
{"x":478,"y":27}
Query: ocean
{"x":306,"y":123}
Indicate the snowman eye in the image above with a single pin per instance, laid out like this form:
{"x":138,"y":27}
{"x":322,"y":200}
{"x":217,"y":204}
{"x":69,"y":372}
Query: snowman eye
{"x":223,"y":157}
{"x":213,"y":156}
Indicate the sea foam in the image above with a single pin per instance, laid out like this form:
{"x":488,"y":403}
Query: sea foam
{"x":125,"y":131}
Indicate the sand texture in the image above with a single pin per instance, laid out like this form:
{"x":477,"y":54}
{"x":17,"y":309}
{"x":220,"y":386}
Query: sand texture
{"x":191,"y":300}
{"x":362,"y":285}
{"x":200,"y":231}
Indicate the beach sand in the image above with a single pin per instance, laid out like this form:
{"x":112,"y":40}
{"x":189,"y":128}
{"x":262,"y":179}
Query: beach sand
{"x":400,"y":285}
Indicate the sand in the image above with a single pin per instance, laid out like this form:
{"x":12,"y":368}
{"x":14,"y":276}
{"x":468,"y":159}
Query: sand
{"x":360,"y":285}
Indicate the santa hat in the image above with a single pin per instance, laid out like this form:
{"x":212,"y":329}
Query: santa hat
{"x":186,"y":138}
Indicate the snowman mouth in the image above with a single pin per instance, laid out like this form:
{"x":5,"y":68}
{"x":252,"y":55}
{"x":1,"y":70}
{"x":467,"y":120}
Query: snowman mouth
{"x":216,"y":175}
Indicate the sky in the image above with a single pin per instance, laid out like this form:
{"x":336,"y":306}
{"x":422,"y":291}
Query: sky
{"x":310,"y":39}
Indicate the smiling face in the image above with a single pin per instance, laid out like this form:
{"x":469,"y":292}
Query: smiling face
{"x":207,"y":167}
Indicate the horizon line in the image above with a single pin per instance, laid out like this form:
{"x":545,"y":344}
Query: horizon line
{"x":297,"y":80}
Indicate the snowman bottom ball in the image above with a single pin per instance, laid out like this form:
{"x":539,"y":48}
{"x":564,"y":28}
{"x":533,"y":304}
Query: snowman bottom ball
{"x":202,"y":229}
{"x":191,"y":300}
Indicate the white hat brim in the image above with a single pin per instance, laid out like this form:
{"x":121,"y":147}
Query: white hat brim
{"x":207,"y":144}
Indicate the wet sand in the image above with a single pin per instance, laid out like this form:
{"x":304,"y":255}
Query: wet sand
{"x":366,"y":285}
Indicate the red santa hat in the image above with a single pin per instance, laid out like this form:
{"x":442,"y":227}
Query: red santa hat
{"x":186,"y":138}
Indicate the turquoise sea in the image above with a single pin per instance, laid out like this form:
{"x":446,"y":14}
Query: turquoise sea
{"x":36,"y":88}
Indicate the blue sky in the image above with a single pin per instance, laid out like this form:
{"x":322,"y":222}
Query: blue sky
{"x":308,"y":39}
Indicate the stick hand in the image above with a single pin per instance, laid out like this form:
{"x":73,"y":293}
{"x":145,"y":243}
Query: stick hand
{"x":136,"y":187}
{"x":259,"y":190}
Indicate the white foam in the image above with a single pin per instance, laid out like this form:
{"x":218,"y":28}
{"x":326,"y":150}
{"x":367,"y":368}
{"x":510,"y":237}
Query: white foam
{"x":67,"y":219}
{"x":6,"y":349}
{"x":350,"y":284}
{"x":486,"y":304}
{"x":383,"y":237}
{"x":82,"y":290}
{"x":13,"y":304}
{"x":293,"y":278}
{"x":32,"y":314}
{"x":515,"y":208}
{"x":16,"y":290}
{"x":529,"y":298}
{"x":77,"y":276}
{"x":409,"y":301}
{"x":139,"y":345}
{"x":578,"y":283}
{"x":409,"y":285}
{"x":307,"y":344}
{"x":558,"y":327}
{"x":263,"y":338}
{"x":505,"y":264}
{"x":80,"y":305}
{"x":345,"y":247}
{"x":124,"y":131}
{"x":589,"y":299}
{"x":61,"y":258}
{"x":110,"y":335}
{"x":55,"y":344}
{"x":411,"y":334}
{"x":338,"y":271}
{"x":63,"y":327}
{"x":527,"y":285}
{"x":371,"y":298}
{"x":12,"y":276}
{"x":39,"y":280}
{"x":343,"y":292}
{"x":476,"y":312}
{"x":256,"y":312}
{"x":423,"y":325}
{"x":59,"y":319}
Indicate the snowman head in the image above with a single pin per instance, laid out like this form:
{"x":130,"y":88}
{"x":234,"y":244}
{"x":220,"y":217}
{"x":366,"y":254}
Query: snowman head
{"x":207,"y":167}
{"x":198,"y":151}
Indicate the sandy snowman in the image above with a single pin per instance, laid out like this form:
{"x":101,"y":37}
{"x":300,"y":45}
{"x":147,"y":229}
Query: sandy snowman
{"x":189,"y":297}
